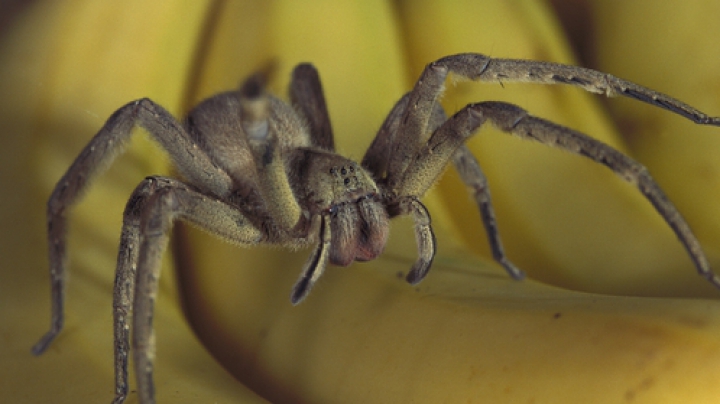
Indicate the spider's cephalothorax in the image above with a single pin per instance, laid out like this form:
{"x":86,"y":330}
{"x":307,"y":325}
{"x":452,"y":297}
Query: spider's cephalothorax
{"x":258,"y":170}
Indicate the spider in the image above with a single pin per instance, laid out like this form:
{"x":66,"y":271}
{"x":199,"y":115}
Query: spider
{"x":259,"y":170}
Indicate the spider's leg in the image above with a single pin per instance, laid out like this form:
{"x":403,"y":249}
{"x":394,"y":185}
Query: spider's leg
{"x":378,"y":155}
{"x":479,"y":67}
{"x":306,"y":95}
{"x":92,"y":161}
{"x":156,"y":203}
{"x":513,"y":119}
{"x":315,"y":265}
{"x":124,"y":289}
{"x":414,"y":123}
{"x":516,"y":121}
{"x":472,"y":175}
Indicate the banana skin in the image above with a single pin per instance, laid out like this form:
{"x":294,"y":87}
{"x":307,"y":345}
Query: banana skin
{"x":467,"y":333}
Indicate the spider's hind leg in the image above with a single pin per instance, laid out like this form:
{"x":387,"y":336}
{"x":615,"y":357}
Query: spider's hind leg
{"x":308,"y":99}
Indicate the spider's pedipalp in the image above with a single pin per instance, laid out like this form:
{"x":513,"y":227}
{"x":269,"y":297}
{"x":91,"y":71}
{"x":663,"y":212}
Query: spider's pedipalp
{"x":424,"y":237}
{"x":315,"y":264}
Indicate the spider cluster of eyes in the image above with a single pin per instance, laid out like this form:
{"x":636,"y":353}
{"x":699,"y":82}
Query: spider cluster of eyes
{"x":342,"y":172}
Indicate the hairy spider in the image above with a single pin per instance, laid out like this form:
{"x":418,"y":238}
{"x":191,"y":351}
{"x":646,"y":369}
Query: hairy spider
{"x":259,"y":170}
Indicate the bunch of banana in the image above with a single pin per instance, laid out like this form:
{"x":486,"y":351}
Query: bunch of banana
{"x":468,"y":333}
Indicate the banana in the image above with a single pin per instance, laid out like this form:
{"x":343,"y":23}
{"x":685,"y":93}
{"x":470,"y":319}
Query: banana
{"x":66,"y":67}
{"x":467,"y":333}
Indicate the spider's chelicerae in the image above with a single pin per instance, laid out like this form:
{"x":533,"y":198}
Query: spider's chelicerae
{"x":259,"y":170}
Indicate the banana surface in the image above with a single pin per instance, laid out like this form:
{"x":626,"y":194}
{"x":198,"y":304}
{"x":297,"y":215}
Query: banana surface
{"x":468,"y":333}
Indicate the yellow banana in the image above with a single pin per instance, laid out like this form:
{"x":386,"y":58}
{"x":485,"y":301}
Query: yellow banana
{"x":466,"y":334}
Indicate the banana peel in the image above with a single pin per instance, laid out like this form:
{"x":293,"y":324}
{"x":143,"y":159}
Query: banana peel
{"x":471,"y":335}
{"x":467,"y":333}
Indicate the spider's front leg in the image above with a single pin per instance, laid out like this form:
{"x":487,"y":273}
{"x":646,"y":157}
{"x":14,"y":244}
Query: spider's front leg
{"x":95,"y":157}
{"x":91,"y":162}
{"x":477,"y":67}
{"x":270,"y":135}
{"x":153,"y":207}
{"x":417,"y":118}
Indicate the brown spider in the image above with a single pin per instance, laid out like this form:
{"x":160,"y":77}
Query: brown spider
{"x":259,"y":170}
